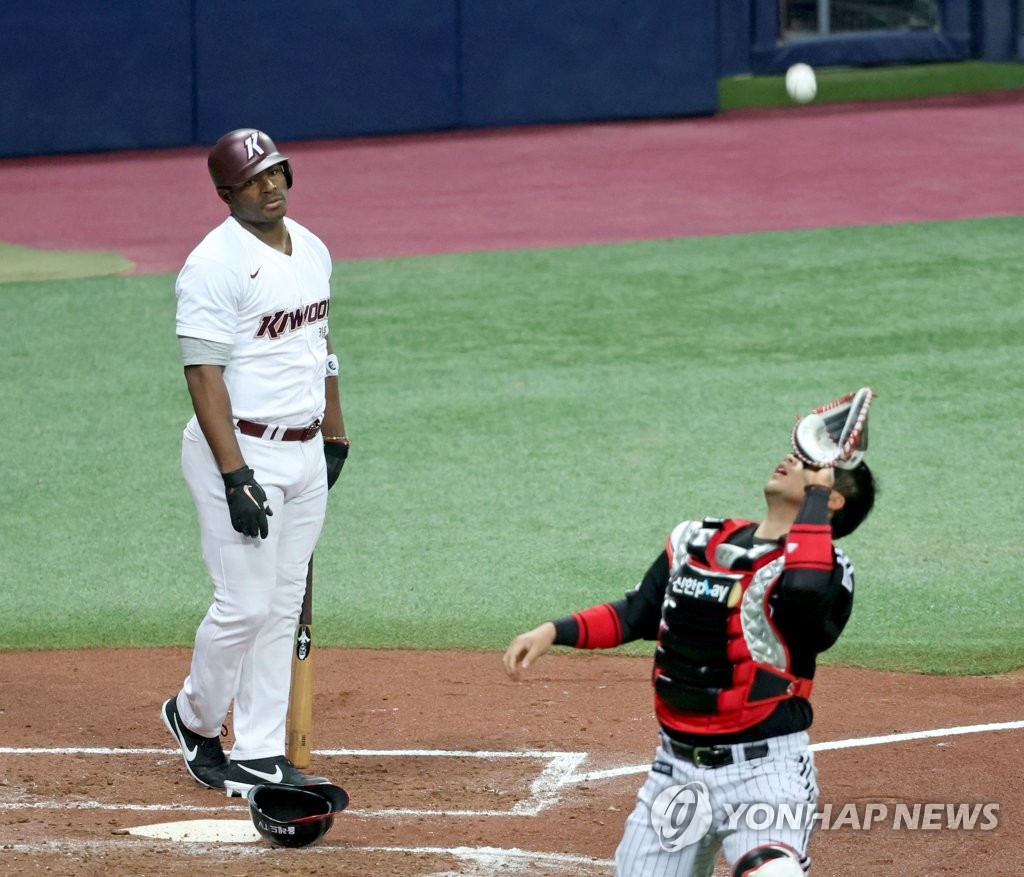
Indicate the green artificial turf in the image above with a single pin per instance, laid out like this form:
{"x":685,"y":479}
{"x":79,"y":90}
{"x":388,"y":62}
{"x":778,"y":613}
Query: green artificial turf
{"x":528,"y":426}
{"x":896,"y":82}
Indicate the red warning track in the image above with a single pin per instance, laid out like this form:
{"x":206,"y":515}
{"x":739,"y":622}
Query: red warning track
{"x":743,"y":171}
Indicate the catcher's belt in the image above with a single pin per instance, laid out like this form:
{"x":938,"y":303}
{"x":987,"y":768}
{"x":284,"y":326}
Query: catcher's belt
{"x":715,"y":756}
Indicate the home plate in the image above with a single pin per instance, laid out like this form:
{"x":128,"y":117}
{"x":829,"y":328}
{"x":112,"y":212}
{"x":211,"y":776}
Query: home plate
{"x":231,"y":831}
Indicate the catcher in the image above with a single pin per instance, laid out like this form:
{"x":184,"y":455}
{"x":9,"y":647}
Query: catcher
{"x":740,"y":610}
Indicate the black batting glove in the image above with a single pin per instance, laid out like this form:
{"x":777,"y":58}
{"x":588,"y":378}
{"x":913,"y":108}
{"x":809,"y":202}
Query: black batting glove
{"x":247,"y":503}
{"x":335,"y":452}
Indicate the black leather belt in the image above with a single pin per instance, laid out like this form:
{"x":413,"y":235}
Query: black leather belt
{"x":715,"y":756}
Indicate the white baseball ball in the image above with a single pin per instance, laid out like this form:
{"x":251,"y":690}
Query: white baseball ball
{"x":801,"y":83}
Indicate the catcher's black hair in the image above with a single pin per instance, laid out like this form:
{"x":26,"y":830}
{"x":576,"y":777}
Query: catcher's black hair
{"x":858,"y":486}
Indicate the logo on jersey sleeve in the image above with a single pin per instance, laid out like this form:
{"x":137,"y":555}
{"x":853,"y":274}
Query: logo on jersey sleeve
{"x":280,"y":323}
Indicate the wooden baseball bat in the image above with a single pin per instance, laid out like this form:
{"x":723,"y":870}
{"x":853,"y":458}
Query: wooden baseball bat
{"x":300,"y":698}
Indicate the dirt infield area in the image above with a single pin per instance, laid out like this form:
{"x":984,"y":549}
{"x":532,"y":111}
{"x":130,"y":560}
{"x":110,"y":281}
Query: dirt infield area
{"x":455,"y":770}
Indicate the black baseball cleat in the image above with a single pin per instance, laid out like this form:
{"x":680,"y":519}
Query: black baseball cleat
{"x":204,"y":756}
{"x":240,"y":776}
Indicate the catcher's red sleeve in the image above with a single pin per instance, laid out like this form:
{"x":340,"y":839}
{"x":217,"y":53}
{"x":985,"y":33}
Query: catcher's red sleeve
{"x":599,"y":627}
{"x":809,"y":546}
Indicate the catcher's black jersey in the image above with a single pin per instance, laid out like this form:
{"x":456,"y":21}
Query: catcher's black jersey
{"x":808,"y":607}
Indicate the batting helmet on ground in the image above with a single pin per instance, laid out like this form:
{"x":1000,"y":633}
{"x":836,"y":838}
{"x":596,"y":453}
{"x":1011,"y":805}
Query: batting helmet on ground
{"x":295,"y":816}
{"x":241,"y":154}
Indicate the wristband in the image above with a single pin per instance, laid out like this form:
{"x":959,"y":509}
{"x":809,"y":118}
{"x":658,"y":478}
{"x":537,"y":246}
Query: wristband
{"x":333,"y":367}
{"x":238,"y":477}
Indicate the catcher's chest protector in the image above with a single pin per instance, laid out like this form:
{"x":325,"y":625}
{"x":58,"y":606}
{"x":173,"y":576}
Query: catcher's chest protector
{"x":720,"y":665}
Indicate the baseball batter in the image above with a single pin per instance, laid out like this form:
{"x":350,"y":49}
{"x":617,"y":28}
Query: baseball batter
{"x":265,"y":444}
{"x":739,"y":609}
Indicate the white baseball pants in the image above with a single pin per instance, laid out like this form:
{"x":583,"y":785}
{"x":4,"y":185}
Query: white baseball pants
{"x":243,"y":646}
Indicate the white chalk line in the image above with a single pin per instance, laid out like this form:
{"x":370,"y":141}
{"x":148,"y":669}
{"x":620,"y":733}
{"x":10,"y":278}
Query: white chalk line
{"x":486,"y":855}
{"x":917,"y":735}
{"x":824,"y":747}
{"x":544,"y":791}
{"x":492,"y":854}
{"x":360,"y":753}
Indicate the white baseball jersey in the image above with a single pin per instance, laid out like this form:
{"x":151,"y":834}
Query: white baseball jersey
{"x":272,"y":309}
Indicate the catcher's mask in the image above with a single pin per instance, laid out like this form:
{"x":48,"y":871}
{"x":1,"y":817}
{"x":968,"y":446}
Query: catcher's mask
{"x":241,"y":154}
{"x":295,"y":816}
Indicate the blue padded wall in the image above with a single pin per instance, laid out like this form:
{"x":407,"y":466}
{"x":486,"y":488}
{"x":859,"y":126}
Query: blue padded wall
{"x":326,"y":68}
{"x":105,"y":75}
{"x":573,"y":60}
{"x":94,"y":76}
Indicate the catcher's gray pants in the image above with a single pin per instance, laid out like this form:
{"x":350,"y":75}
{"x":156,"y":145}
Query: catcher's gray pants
{"x":747,"y":804}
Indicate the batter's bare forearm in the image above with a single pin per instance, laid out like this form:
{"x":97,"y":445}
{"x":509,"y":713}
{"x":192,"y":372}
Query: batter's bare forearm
{"x":212,"y":405}
{"x":334,"y":419}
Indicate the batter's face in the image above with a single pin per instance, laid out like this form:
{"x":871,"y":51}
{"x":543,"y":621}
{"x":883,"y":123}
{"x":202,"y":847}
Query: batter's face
{"x":261,"y":200}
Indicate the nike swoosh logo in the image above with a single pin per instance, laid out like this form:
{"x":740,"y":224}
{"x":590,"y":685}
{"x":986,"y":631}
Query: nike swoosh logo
{"x":274,"y":777}
{"x":189,"y":753}
{"x":254,"y":273}
{"x":248,"y":493}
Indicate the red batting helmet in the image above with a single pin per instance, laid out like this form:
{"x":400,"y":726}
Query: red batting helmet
{"x":241,"y":154}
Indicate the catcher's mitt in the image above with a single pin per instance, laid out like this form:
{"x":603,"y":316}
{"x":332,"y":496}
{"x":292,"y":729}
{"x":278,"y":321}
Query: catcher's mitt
{"x":835,"y":434}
